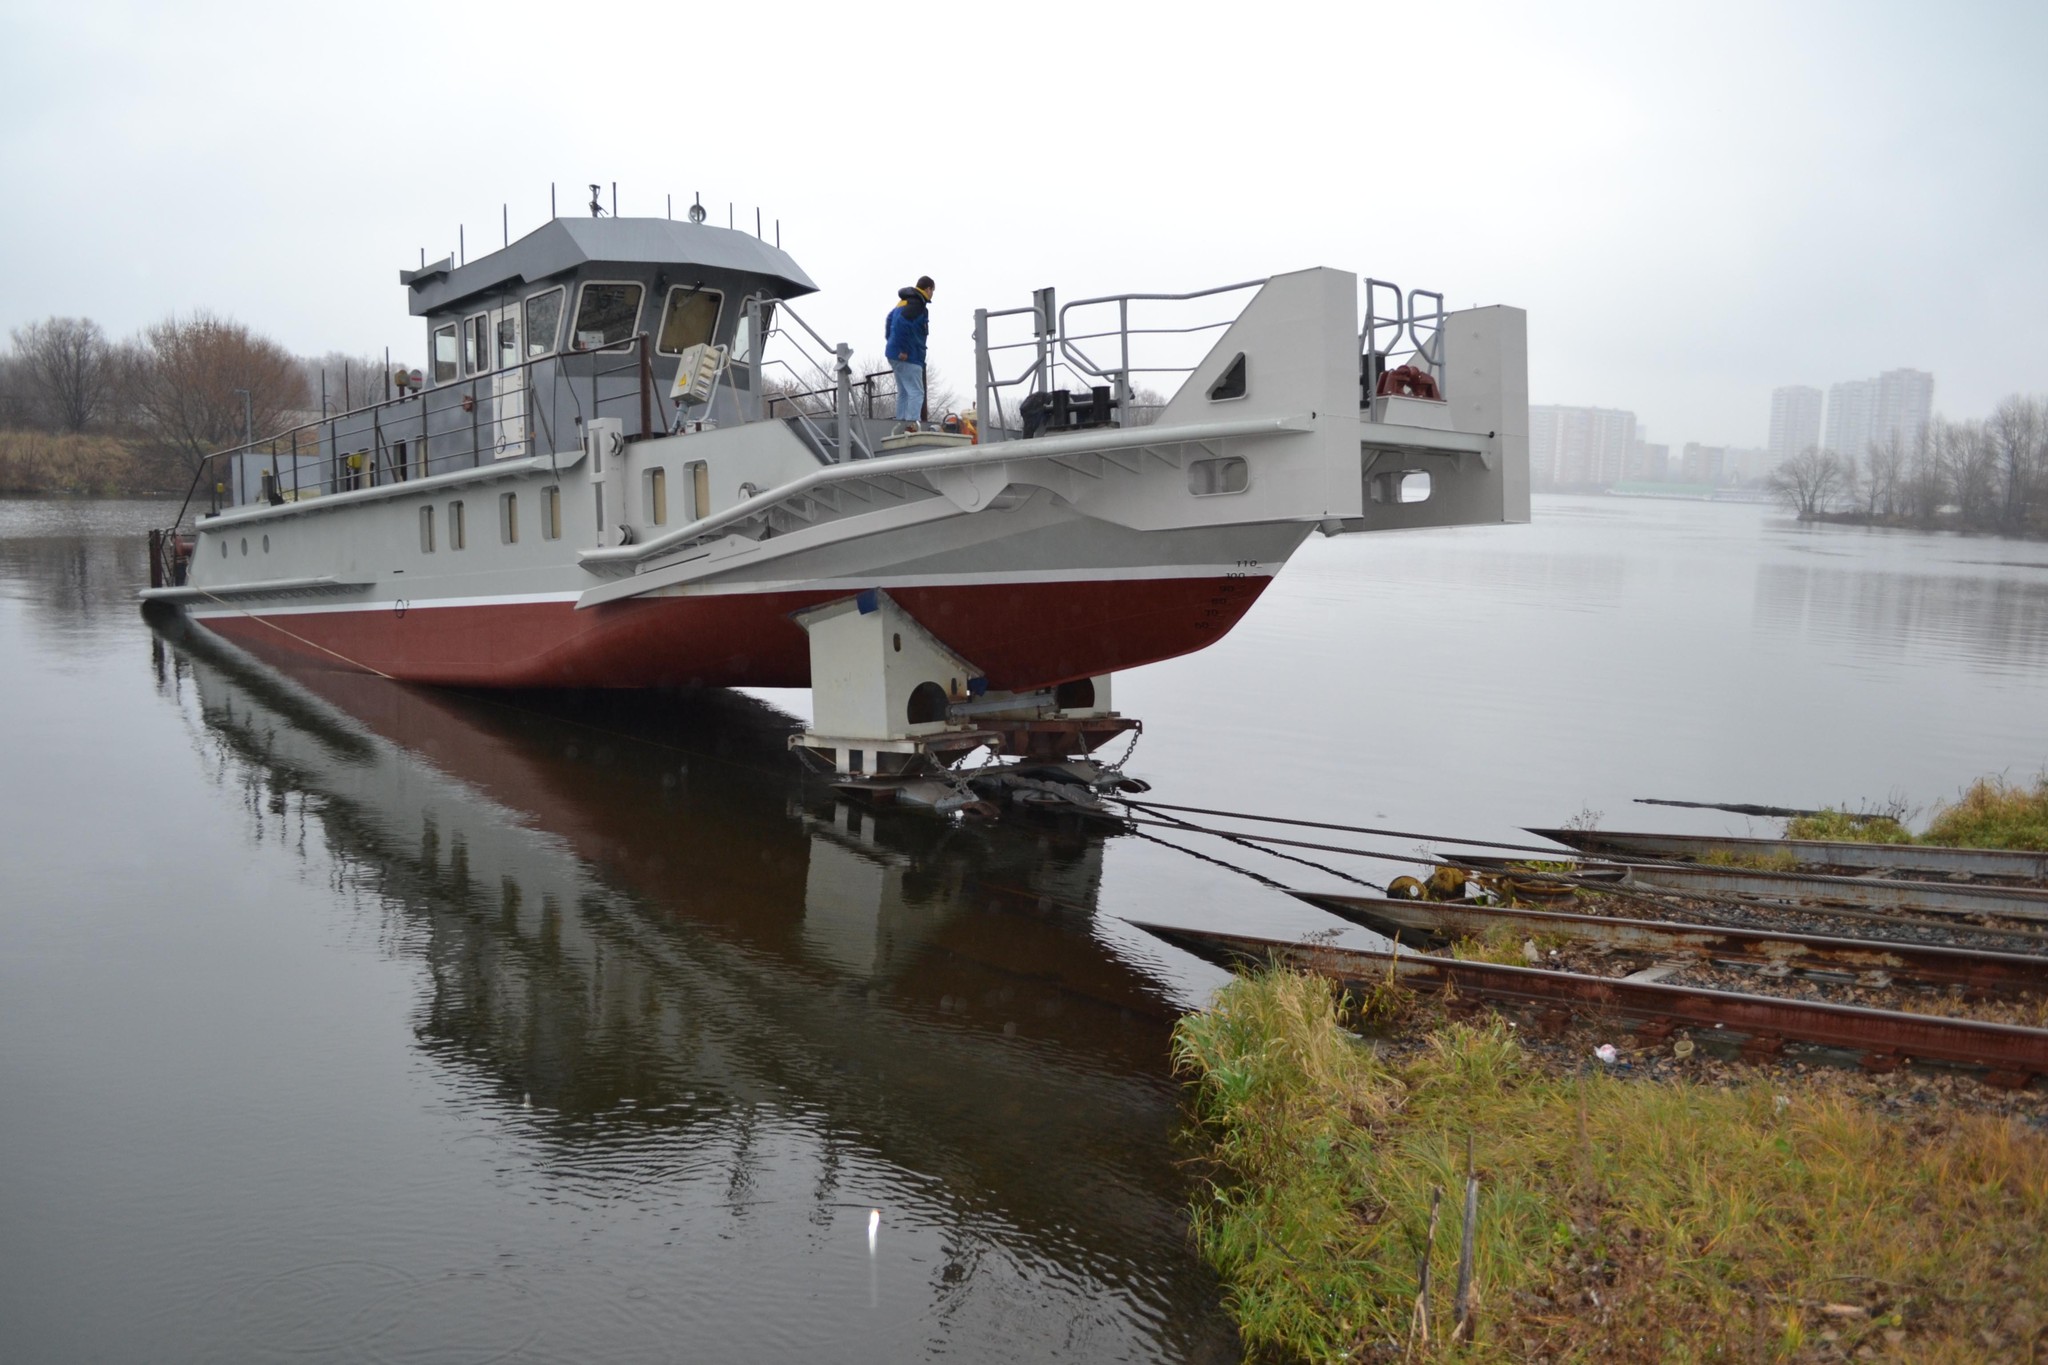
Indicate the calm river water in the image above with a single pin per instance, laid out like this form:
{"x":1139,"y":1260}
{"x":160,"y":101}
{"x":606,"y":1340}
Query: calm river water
{"x":345,"y":1021}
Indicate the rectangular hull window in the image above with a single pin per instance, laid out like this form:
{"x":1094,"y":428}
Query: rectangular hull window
{"x":458,"y":538}
{"x":426,"y":530}
{"x":476,"y":344}
{"x":700,"y":490}
{"x":508,"y":518}
{"x":657,"y":496}
{"x":551,"y":513}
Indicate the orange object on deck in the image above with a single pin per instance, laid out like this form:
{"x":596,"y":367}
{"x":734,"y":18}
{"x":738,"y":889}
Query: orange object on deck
{"x":1410,"y":381}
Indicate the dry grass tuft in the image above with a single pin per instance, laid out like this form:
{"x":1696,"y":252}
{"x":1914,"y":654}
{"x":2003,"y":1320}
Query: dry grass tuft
{"x":1992,"y":813}
{"x":1844,"y":827}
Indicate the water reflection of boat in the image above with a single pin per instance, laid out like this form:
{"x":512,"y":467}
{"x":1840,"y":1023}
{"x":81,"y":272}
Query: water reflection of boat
{"x":629,"y":907}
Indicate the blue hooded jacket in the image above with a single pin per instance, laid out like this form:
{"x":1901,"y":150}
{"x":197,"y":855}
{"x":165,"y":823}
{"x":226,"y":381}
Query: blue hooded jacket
{"x":907,"y":326}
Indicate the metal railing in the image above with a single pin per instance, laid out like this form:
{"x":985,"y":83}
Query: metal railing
{"x":1391,"y":316}
{"x":1055,"y":346}
{"x":817,"y":402}
{"x":833,"y":376}
{"x":496,"y":414}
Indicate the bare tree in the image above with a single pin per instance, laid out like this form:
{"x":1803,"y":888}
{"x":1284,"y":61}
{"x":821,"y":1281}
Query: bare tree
{"x":1884,"y":469}
{"x":1969,"y":469}
{"x":1810,"y":481}
{"x":1925,"y":488}
{"x":188,"y":383}
{"x":66,"y":370}
{"x":347,"y":381}
{"x":17,"y":408}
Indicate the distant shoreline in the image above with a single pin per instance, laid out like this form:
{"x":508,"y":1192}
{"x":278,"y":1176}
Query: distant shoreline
{"x":1940,"y":523}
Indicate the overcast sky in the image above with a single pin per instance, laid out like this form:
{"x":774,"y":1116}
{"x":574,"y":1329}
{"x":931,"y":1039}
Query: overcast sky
{"x":1695,"y":203}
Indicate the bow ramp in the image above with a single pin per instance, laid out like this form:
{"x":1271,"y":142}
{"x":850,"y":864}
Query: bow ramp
{"x":1288,"y":418}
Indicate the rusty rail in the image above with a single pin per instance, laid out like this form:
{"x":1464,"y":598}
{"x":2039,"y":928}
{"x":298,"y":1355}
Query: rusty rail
{"x":1929,"y":859}
{"x":2010,"y":1055}
{"x":1425,"y":924}
{"x":1814,"y":888}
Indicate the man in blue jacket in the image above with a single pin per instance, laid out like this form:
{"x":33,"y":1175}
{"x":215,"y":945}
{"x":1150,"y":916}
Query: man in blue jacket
{"x":904,"y":334}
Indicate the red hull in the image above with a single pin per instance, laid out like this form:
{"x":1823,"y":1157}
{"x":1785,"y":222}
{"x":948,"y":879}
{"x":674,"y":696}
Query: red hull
{"x":1024,"y":635}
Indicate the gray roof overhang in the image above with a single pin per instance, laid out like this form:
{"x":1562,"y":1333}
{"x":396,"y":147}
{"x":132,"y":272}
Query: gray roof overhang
{"x":566,"y":243}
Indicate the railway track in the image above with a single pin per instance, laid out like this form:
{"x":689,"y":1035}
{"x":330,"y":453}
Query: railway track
{"x":1429,"y":924}
{"x":1927,"y":860}
{"x":2008,"y":1055}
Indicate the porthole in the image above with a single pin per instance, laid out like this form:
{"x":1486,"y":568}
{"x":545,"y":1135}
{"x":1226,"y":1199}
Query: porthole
{"x":223,"y":549}
{"x":266,"y":544}
{"x":245,"y":544}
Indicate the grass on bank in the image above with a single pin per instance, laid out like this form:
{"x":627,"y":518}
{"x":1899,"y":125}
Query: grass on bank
{"x":1991,"y":813}
{"x":1617,"y":1220}
{"x":41,"y":462}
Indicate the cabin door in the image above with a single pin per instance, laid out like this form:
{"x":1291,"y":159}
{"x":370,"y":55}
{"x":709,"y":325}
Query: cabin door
{"x":508,"y":385}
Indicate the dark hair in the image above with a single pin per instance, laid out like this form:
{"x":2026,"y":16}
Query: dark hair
{"x":924,"y":282}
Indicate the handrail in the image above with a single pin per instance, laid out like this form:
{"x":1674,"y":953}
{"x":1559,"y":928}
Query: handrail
{"x":438,"y":401}
{"x":1407,"y":319}
{"x":1054,"y":345}
{"x":1086,"y":363}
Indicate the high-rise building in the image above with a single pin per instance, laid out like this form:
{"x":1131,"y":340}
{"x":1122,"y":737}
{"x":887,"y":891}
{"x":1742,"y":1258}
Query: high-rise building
{"x":1747,"y":464}
{"x":1863,"y":411}
{"x":1703,"y":464}
{"x":1905,"y":405}
{"x":1578,"y":447}
{"x":1851,"y":407}
{"x":1795,"y":422}
{"x":1647,"y":463}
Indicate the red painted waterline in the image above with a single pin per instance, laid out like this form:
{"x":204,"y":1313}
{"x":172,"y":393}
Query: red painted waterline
{"x":1023,"y":635}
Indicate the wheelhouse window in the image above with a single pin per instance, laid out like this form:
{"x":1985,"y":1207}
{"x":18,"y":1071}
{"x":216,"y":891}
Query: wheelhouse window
{"x":508,"y":340}
{"x":476,"y":344}
{"x":605,"y":314}
{"x":543,"y":320}
{"x":689,"y":318}
{"x":445,"y":368}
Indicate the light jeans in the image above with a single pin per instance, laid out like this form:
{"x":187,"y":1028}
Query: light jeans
{"x":909,"y":389}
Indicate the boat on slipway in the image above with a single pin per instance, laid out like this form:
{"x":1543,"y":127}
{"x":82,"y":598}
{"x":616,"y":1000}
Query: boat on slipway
{"x":630,"y":463}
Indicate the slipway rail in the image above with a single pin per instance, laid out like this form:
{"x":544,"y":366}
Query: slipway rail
{"x":1814,"y":888}
{"x":2008,"y":1054}
{"x":1430,"y":924}
{"x":1933,"y":860}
